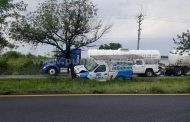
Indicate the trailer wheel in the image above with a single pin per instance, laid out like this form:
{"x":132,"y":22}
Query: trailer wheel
{"x":52,"y":71}
{"x":149,"y":73}
{"x":178,"y":72}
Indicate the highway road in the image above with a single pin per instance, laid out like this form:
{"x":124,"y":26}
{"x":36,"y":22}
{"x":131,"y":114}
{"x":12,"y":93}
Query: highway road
{"x":95,"y":109}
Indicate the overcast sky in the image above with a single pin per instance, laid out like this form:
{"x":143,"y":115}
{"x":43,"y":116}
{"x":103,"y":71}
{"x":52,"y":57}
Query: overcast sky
{"x":163,"y":20}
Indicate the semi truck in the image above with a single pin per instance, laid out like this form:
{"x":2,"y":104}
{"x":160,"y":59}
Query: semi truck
{"x":54,"y":67}
{"x":102,"y":71}
{"x":143,"y":62}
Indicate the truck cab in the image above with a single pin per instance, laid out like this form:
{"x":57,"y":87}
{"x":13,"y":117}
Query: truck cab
{"x":54,"y":67}
{"x":140,"y":67}
{"x":102,"y":71}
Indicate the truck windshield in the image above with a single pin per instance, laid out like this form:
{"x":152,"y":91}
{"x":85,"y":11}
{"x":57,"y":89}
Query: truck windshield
{"x":90,"y":67}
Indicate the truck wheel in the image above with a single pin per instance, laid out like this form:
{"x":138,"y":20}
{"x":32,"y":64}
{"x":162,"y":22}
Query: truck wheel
{"x":177,"y":72}
{"x":52,"y":71}
{"x":149,"y":73}
{"x":168,"y":72}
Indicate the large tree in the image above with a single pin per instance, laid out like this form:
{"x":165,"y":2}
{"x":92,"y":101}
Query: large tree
{"x":9,"y":12}
{"x":63,"y":24}
{"x":112,"y":46}
{"x":183,"y":41}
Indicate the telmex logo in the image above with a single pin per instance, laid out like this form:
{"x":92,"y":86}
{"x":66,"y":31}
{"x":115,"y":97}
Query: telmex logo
{"x":121,"y":68}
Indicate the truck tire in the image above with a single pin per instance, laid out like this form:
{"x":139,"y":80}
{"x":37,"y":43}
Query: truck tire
{"x":149,"y":73}
{"x":168,"y":72}
{"x":160,"y":72}
{"x":178,"y":72}
{"x":52,"y":71}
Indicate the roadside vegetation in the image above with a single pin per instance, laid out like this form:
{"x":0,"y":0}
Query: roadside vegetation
{"x":15,"y":63}
{"x":66,"y":85}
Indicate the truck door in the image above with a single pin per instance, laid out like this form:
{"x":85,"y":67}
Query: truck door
{"x":138,"y":67}
{"x":101,"y":73}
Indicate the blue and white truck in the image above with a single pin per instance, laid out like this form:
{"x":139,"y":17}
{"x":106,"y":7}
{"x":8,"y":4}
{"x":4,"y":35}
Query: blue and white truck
{"x":54,"y":67}
{"x":102,"y":71}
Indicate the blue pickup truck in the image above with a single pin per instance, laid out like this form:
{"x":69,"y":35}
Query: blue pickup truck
{"x":54,"y":67}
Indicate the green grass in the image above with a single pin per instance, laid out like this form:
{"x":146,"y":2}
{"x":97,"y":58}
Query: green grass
{"x":66,"y":85}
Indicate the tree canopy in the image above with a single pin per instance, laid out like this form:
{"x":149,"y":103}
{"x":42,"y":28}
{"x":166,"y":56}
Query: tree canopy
{"x":112,"y":46}
{"x":183,"y":41}
{"x":8,"y":11}
{"x":63,"y":24}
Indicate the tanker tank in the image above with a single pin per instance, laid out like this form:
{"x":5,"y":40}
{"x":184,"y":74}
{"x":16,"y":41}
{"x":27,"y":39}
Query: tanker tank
{"x":179,"y":58}
{"x":149,"y":56}
{"x":179,"y":63}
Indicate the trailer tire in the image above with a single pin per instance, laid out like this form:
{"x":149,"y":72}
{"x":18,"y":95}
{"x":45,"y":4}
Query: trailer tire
{"x":52,"y":71}
{"x":149,"y":73}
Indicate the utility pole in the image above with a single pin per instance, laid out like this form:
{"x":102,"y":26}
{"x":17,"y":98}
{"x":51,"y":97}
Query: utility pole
{"x":140,"y":18}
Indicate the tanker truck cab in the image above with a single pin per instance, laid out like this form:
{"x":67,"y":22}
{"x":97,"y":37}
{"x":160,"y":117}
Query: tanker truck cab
{"x":140,"y":67}
{"x":102,"y":71}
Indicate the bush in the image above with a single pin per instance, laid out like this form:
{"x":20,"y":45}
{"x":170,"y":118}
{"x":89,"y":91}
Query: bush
{"x":28,"y":67}
{"x":13,"y":55}
{"x":3,"y":65}
{"x":18,"y":64}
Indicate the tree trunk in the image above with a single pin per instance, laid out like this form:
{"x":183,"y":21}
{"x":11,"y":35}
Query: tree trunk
{"x":73,"y":75}
{"x":70,"y":65}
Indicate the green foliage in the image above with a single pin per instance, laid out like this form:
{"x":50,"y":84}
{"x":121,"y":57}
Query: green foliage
{"x":3,"y":65}
{"x":8,"y":9}
{"x":13,"y":55}
{"x":4,"y":43}
{"x":69,"y":23}
{"x":183,"y":41}
{"x":112,"y":46}
{"x":16,"y":63}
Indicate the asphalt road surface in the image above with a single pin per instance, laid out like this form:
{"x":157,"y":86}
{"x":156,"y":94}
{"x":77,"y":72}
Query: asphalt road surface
{"x":96,"y":109}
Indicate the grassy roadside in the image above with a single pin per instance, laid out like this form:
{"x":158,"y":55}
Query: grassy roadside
{"x":66,"y":85}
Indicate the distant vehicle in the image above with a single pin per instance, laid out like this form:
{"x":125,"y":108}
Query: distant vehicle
{"x":54,"y":67}
{"x":144,"y":62}
{"x":102,"y":71}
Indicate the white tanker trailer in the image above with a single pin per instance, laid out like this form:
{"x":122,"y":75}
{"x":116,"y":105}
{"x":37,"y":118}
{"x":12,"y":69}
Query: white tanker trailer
{"x":142,"y":61}
{"x":179,"y":63}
